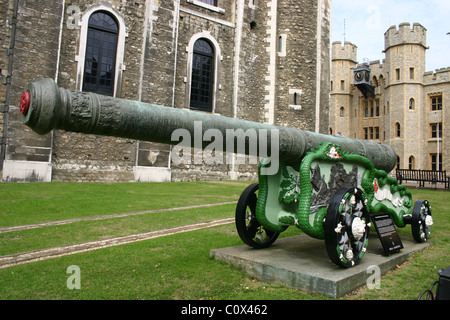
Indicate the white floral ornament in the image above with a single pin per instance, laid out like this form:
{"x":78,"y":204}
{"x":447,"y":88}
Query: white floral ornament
{"x":428,"y":221}
{"x":358,"y":228}
{"x":333,"y":153}
{"x":339,"y":227}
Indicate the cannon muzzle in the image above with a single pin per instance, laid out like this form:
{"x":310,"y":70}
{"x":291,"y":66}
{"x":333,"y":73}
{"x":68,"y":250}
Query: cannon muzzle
{"x":44,"y":107}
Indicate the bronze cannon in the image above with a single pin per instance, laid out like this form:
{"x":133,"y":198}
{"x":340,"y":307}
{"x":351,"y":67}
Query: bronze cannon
{"x":325,"y":185}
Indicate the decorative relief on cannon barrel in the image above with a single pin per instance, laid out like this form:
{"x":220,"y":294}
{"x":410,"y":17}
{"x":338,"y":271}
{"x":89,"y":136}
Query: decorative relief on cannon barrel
{"x":82,"y":112}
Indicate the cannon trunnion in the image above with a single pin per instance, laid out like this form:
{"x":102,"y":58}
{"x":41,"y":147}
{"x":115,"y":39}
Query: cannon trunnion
{"x":326,"y":186}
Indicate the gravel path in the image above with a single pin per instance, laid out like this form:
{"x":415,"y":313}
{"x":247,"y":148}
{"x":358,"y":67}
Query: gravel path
{"x":109,"y":216}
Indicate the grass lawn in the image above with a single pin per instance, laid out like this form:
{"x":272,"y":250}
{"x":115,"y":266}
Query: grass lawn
{"x":171,"y":267}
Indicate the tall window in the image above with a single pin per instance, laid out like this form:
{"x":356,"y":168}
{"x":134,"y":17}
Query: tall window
{"x":397,"y":130}
{"x":101,"y":49}
{"x":297,"y":98}
{"x":211,"y":2}
{"x":411,"y":163}
{"x":436,"y":103}
{"x":436,"y":130}
{"x":412,"y":104}
{"x":282,"y":39}
{"x":371,"y":108}
{"x":372,"y":133}
{"x":202,"y":76}
{"x":397,"y":74}
{"x":436,"y":162}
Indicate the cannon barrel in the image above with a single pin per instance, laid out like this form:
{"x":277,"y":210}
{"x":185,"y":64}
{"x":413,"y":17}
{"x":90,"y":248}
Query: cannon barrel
{"x":44,"y":107}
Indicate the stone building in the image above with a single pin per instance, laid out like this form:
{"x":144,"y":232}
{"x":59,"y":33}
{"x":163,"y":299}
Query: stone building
{"x":410,"y":109}
{"x":264,"y":60}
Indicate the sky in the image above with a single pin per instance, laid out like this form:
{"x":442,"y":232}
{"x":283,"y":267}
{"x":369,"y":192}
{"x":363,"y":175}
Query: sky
{"x":366,"y":21}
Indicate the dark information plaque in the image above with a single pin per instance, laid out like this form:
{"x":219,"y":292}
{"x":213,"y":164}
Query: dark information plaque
{"x":387,"y":233}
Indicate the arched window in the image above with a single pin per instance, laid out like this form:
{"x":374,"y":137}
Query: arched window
{"x":411,"y":163}
{"x":101,"y":50}
{"x":412,"y":104}
{"x":282,"y":39}
{"x":342,"y":114}
{"x":397,"y":130}
{"x":297,"y":98}
{"x":375,"y":81}
{"x":202,"y":76}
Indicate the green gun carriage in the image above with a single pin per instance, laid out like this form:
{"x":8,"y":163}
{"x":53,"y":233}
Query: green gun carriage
{"x":330,"y":195}
{"x":325,"y":185}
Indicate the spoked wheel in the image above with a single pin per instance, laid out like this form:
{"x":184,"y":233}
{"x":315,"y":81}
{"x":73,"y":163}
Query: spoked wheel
{"x":249,"y":229}
{"x":421,"y":221}
{"x":347,"y":226}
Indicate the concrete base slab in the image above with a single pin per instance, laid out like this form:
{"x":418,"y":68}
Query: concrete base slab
{"x":302,"y":263}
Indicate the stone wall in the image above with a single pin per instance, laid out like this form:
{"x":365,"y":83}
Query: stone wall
{"x":32,"y":60}
{"x":5,"y":31}
{"x":438,"y":83}
{"x":254,"y":82}
{"x":87,"y":158}
{"x":304,"y":66}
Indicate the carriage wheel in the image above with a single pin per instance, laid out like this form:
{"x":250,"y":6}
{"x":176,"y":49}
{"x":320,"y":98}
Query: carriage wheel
{"x":249,"y":229}
{"x":421,"y":221}
{"x":347,"y":226}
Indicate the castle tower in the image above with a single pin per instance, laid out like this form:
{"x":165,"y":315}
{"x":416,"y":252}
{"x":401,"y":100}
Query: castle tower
{"x":343,"y":62}
{"x":408,"y":110}
{"x":405,"y":119}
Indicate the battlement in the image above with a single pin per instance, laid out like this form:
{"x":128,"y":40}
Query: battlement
{"x":437,"y":76}
{"x":348,"y":51}
{"x":404,"y":34}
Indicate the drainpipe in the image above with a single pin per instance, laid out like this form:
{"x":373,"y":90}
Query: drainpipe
{"x":7,"y":82}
